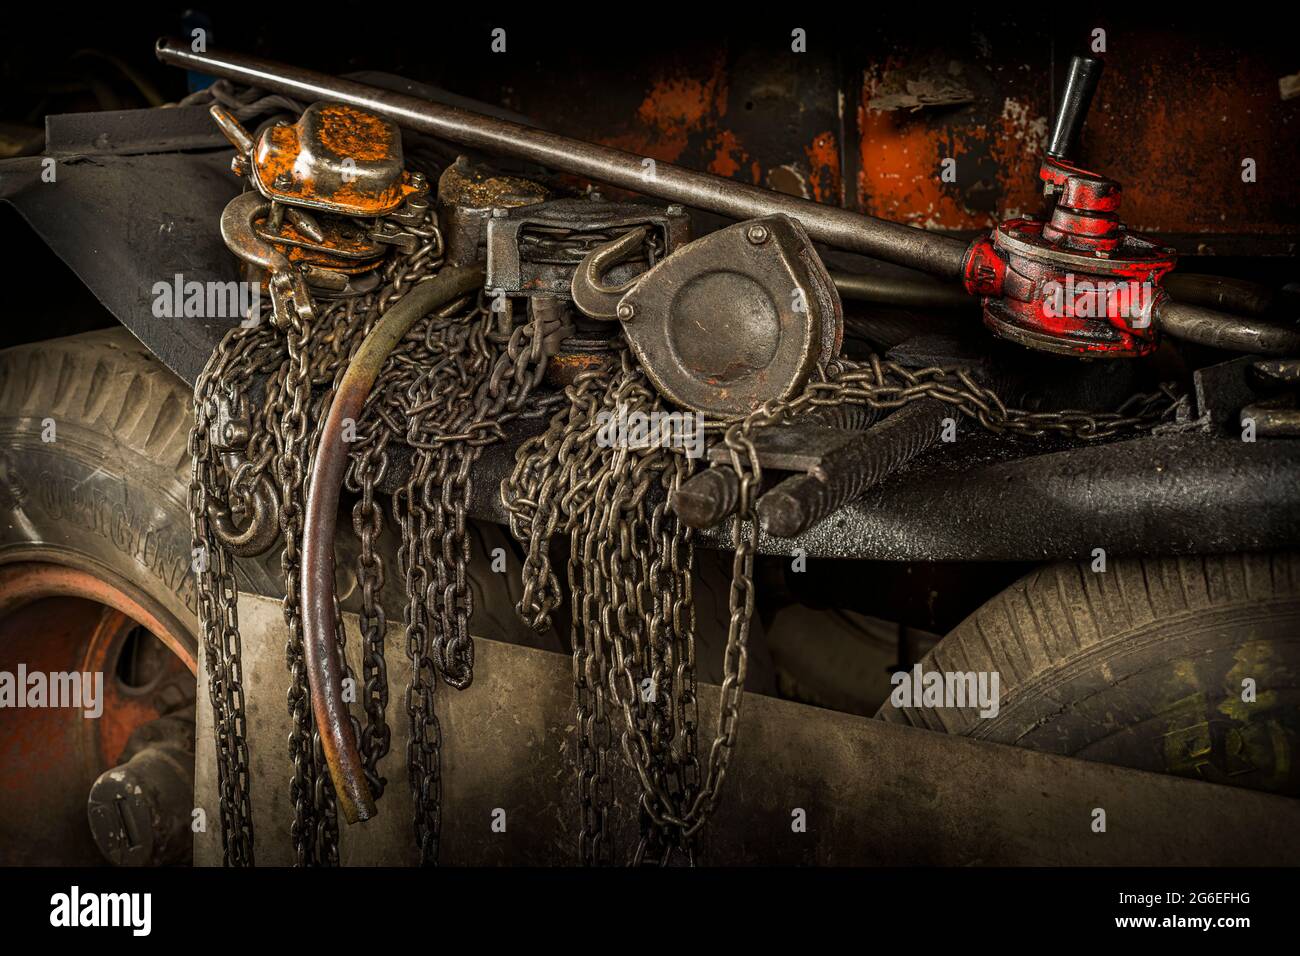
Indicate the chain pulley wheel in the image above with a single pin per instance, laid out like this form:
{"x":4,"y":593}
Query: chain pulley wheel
{"x":728,"y":322}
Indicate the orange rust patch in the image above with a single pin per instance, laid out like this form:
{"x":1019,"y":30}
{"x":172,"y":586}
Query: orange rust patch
{"x":675,"y":107}
{"x":1189,"y":119}
{"x":349,"y":132}
{"x":728,"y":155}
{"x":902,"y":155}
{"x":824,"y":167}
{"x":277,"y":155}
{"x":565,"y":367}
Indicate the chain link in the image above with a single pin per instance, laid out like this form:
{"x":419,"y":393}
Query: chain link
{"x":629,"y":573}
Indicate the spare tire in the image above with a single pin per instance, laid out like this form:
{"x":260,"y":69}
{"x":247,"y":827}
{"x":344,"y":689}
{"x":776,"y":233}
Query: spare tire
{"x":1187,"y":665}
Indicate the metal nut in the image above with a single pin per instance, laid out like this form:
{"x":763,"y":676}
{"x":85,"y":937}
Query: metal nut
{"x":757,"y":234}
{"x":625,"y":311}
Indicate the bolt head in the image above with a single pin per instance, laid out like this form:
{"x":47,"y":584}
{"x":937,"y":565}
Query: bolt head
{"x":675,"y":210}
{"x":625,"y":311}
{"x":757,"y":234}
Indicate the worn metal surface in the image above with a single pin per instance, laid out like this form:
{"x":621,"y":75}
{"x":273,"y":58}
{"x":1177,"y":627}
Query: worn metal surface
{"x":1184,"y":494}
{"x":130,"y":132}
{"x":125,"y":223}
{"x":891,"y":241}
{"x":1195,"y":323}
{"x":872,"y":793}
{"x":535,"y":248}
{"x":140,"y":810}
{"x":1183,"y":115}
{"x":1276,"y":418}
{"x":335,"y":158}
{"x":800,"y":501}
{"x":1006,"y":500}
{"x":732,"y":320}
{"x":1080,"y":87}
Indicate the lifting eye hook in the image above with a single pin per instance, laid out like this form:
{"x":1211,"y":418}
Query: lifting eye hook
{"x":590,"y":293}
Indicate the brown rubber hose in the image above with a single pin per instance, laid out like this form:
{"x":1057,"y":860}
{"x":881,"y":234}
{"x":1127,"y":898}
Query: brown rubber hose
{"x":320,"y":650}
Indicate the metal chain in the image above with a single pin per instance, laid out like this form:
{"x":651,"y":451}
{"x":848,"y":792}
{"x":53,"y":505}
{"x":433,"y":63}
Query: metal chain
{"x":629,"y":574}
{"x":633,"y":620}
{"x":231,"y":367}
{"x":368,"y":469}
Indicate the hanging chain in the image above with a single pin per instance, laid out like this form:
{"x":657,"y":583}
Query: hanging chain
{"x":629,"y":574}
{"x":228,"y":373}
{"x":446,"y":391}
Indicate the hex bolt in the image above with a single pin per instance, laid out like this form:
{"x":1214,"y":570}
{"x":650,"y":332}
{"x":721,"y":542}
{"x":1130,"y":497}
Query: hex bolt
{"x":626,"y":311}
{"x":757,"y":234}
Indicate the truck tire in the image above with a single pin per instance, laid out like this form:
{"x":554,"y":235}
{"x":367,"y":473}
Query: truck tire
{"x":1187,"y":665}
{"x":94,"y":470}
{"x":95,"y":474}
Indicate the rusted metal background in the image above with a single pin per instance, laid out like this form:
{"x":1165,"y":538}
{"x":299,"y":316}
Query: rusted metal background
{"x":1179,"y":108}
{"x":872,"y":792}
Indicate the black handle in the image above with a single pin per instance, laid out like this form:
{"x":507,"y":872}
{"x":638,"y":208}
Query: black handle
{"x":1085,"y":72}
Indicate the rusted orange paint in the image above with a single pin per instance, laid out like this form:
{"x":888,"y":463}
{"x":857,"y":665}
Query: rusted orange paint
{"x":565,"y":367}
{"x":351,"y":132}
{"x":824,"y":169}
{"x":676,"y":106}
{"x":1179,"y":130}
{"x":59,"y":619}
{"x":902,"y":156}
{"x":728,"y":155}
{"x":277,"y":155}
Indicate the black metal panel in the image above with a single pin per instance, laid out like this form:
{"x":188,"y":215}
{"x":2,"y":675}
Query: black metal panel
{"x":124,"y":223}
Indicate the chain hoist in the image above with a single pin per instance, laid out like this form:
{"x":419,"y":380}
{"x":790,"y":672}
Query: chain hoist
{"x":340,"y":233}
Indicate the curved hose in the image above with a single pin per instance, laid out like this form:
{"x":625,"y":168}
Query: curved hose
{"x":320,"y":650}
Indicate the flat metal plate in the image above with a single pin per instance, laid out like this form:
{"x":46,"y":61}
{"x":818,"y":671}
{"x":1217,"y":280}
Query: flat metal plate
{"x":791,"y":447}
{"x":872,"y":792}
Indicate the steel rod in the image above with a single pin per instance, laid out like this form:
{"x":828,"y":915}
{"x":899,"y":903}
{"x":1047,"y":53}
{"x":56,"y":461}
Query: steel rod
{"x":892,"y":242}
{"x":1221,"y":330}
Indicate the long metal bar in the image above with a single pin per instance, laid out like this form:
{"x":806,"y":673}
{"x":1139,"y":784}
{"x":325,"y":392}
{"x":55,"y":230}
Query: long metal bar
{"x":892,"y":242}
{"x":1223,"y":330}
